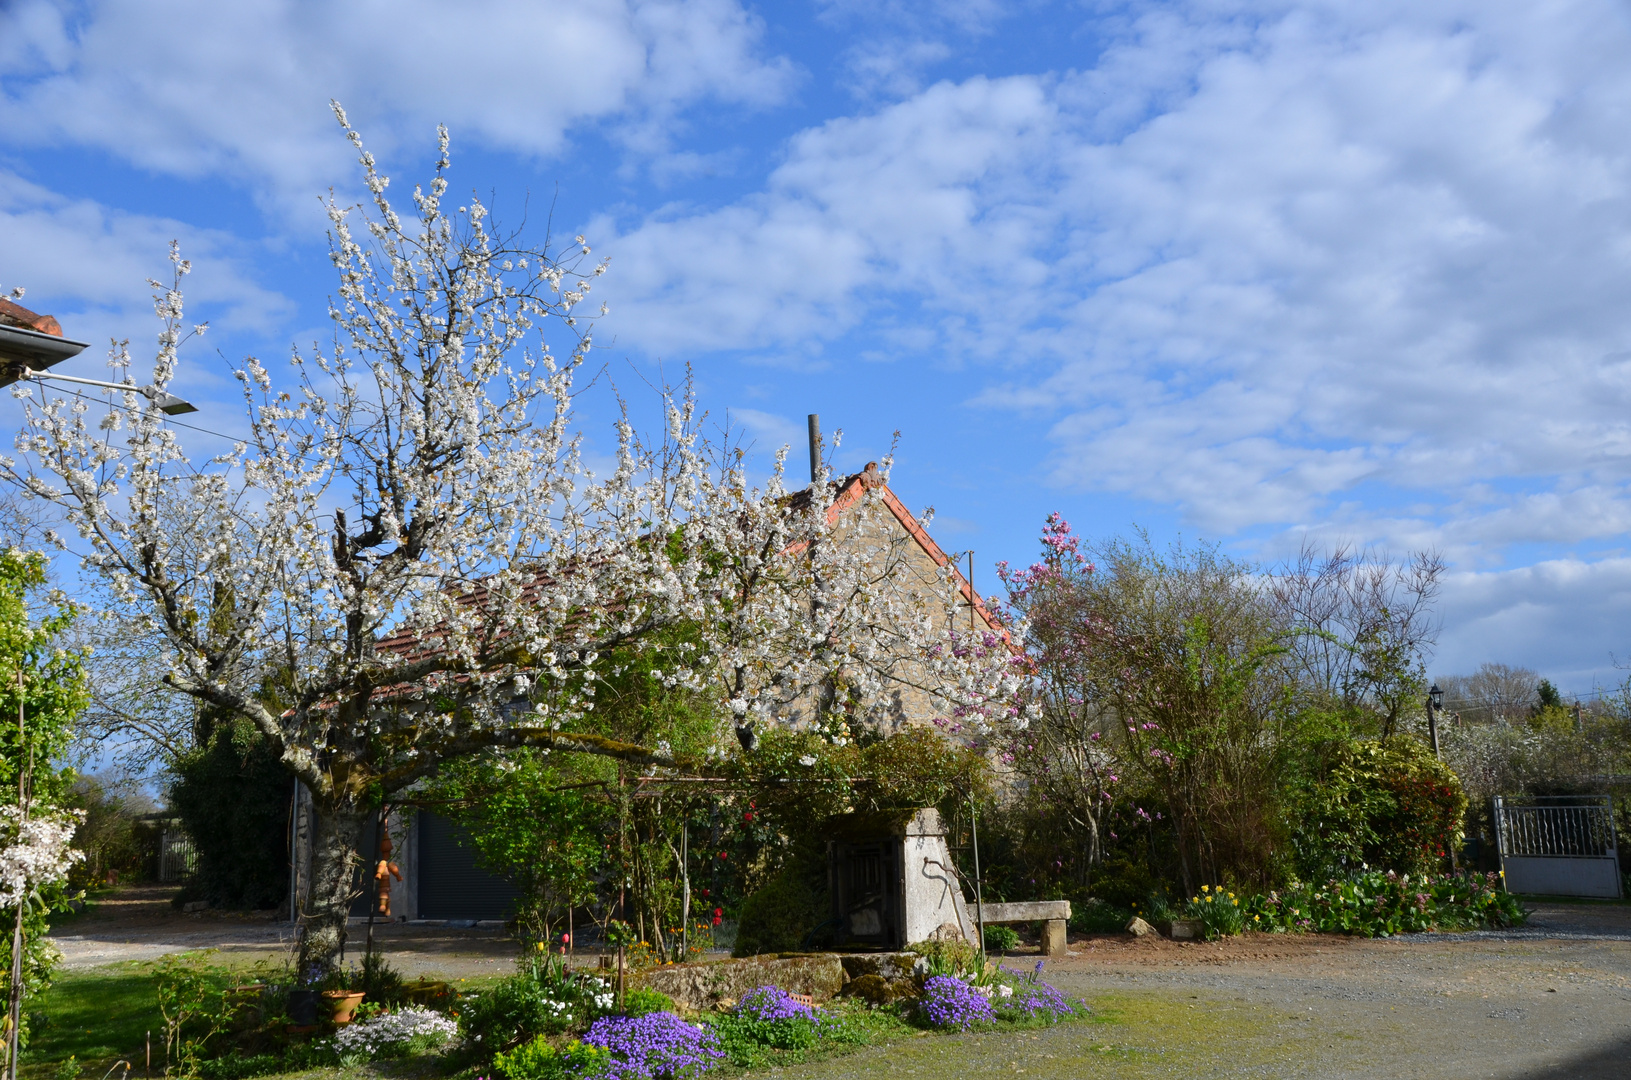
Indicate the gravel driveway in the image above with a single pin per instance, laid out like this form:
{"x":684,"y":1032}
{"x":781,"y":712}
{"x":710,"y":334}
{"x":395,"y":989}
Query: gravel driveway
{"x":138,"y":923}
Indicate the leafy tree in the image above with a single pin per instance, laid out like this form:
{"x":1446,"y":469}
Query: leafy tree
{"x":233,"y":797}
{"x":113,"y":836}
{"x":1359,"y":627}
{"x":42,"y":691}
{"x":1178,"y":655}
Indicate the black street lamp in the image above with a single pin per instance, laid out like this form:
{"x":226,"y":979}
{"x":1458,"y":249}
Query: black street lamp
{"x":27,"y":353}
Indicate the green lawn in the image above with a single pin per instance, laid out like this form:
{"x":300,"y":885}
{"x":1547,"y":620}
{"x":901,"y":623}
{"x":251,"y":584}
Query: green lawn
{"x":98,"y":1016}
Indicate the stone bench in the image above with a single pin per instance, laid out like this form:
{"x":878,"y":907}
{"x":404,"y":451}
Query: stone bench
{"x":1052,"y":914}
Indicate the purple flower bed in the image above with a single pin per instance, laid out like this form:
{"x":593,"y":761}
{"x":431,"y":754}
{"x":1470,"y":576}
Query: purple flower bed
{"x":657,"y":1046}
{"x":953,"y":1003}
{"x":771,"y":1003}
{"x":1038,"y":1001}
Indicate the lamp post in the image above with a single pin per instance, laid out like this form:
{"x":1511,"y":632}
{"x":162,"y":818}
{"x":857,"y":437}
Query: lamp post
{"x":1435,"y":705}
{"x":28,"y":354}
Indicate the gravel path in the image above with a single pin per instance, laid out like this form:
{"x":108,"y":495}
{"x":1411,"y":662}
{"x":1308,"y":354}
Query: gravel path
{"x":1549,"y":1002}
{"x":138,"y":923}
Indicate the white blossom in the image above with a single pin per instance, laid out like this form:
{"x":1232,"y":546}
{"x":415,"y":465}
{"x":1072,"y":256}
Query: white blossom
{"x":370,"y":1038}
{"x":35,"y":850}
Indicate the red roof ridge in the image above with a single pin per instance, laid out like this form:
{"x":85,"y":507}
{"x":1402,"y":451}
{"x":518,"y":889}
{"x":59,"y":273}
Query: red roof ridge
{"x":17,"y":315}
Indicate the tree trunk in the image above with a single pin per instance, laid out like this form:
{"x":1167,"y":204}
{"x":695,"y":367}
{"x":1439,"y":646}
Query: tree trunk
{"x":335,"y":833}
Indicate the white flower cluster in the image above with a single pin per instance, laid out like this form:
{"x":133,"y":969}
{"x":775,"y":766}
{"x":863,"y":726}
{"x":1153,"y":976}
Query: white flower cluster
{"x":558,"y":1010}
{"x":379,"y":1034}
{"x":35,"y":852}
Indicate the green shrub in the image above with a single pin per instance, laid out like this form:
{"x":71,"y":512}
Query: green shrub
{"x":240,"y":1066}
{"x":543,"y":1000}
{"x":768,"y":1025}
{"x":1098,"y":917}
{"x":643,"y":1000}
{"x":1385,"y":803}
{"x":540,"y":1060}
{"x":233,"y":798}
{"x":379,"y":980}
{"x":948,"y":957}
{"x":1379,"y":903}
{"x":780,"y":915}
{"x":1001,"y":939}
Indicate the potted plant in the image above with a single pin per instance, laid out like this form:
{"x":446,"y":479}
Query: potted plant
{"x":336,"y":994}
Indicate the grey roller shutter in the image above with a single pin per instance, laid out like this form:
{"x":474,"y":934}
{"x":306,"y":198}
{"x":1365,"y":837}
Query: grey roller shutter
{"x":451,"y":885}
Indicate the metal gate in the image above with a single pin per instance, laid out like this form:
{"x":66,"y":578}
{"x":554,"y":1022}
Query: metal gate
{"x":1561,"y":845}
{"x":178,"y":859}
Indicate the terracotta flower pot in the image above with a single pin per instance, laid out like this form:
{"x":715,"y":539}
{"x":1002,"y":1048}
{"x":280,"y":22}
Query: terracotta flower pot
{"x":344,"y":1003}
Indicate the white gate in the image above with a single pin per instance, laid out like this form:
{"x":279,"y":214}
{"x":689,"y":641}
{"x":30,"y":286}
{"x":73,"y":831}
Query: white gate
{"x":1560,"y":845}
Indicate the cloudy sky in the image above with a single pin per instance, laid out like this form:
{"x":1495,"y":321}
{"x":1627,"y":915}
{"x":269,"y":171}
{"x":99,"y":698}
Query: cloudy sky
{"x":1248,"y":272}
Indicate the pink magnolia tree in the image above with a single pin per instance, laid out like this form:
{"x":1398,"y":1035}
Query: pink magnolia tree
{"x":1067,"y":753}
{"x":410,"y":547}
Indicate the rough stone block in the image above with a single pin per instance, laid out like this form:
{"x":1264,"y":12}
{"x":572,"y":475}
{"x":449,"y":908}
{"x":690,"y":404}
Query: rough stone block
{"x":1187,"y":930}
{"x":1138,"y":927}
{"x":1053,"y":937}
{"x":702,"y":986}
{"x":1032,"y":911}
{"x":878,"y":990}
{"x":885,"y":965}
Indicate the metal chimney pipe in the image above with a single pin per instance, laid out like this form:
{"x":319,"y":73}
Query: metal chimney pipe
{"x":815,"y":447}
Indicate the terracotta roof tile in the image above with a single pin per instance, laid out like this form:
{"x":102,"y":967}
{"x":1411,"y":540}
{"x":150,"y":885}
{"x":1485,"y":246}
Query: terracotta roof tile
{"x":16,"y":315}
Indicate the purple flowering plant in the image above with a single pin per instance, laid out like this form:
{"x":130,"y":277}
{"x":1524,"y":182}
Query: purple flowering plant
{"x":949,"y":1002}
{"x":657,"y":1046}
{"x":768,"y":1019}
{"x":771,"y":1003}
{"x":1029,"y":999}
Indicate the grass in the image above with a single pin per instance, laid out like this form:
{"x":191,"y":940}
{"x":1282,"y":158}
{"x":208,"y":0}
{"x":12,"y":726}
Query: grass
{"x":97,"y":1016}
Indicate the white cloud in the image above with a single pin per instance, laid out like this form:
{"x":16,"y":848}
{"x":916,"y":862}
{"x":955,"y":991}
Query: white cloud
{"x":89,"y":266}
{"x":770,"y":432}
{"x":1258,"y":262}
{"x":196,"y":88}
{"x":1564,"y":618}
{"x":911,"y":201}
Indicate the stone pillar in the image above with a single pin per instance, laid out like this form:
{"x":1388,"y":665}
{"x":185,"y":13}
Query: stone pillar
{"x":1053,"y":937}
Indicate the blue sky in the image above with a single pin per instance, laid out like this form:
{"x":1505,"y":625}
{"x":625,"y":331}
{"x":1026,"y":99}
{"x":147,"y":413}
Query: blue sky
{"x":1242,"y":271}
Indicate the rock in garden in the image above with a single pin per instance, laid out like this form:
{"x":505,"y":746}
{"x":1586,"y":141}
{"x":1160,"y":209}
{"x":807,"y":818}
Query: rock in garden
{"x":1187,"y":930}
{"x":1139,"y":928}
